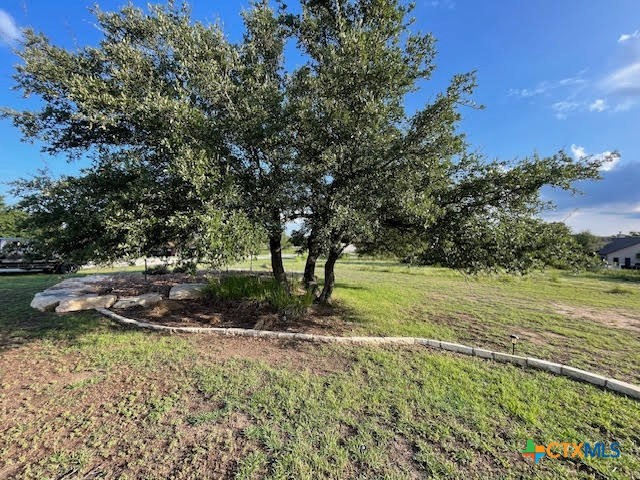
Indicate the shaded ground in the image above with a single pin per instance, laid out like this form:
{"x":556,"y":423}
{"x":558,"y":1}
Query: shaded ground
{"x":240,"y":314}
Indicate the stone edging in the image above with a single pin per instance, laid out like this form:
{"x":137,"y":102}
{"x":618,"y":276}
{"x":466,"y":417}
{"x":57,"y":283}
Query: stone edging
{"x":556,"y":368}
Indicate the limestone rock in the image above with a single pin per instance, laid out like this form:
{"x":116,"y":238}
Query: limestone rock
{"x":69,"y":289}
{"x":85,"y":302}
{"x":78,"y":289}
{"x":186,"y":291}
{"x":48,"y":300}
{"x":146,"y":300}
{"x":46,"y":303}
{"x":95,"y":278}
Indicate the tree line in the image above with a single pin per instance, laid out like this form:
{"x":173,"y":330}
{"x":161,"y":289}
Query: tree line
{"x":212,"y":146}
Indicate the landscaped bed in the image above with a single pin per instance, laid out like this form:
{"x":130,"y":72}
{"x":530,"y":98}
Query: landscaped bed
{"x":235,"y":310}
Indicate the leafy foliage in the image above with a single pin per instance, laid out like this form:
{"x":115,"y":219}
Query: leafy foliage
{"x":11,"y":220}
{"x":589,"y":242}
{"x":145,"y":105}
{"x":509,"y":243}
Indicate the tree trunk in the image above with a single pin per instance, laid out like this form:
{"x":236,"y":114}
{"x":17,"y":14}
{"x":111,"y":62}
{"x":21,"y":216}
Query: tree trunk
{"x":329,"y":275}
{"x":309,"y":277}
{"x":275,"y":247}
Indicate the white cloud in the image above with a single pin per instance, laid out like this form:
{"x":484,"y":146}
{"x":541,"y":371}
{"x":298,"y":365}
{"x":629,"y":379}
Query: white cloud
{"x":625,"y":37}
{"x":625,"y":105}
{"x":526,"y":92}
{"x":9,"y":31}
{"x":564,"y":107}
{"x":615,"y":91}
{"x":624,"y":81}
{"x":607,"y":219}
{"x":610,"y":159}
{"x":611,"y":162}
{"x":599,"y":105}
{"x":547,"y":86}
{"x":450,"y":4}
{"x":578,"y":151}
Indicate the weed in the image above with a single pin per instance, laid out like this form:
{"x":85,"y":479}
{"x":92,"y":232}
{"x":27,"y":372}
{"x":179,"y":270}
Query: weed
{"x":291,"y":305}
{"x":618,"y":290}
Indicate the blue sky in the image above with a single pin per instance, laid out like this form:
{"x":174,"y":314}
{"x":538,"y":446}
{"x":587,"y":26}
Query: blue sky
{"x":552,"y":74}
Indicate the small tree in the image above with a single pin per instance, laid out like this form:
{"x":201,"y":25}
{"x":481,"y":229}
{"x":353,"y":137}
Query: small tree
{"x":589,"y":242}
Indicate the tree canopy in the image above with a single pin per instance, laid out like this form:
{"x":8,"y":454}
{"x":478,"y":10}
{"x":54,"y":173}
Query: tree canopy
{"x":12,"y":220}
{"x":211,"y":146}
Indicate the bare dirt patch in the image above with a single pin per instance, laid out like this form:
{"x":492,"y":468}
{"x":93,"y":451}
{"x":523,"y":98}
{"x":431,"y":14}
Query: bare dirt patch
{"x":611,"y":318}
{"x":127,"y":420}
{"x":240,"y":314}
{"x":295,"y":356}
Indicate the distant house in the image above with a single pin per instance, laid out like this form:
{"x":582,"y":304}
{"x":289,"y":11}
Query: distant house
{"x":623,"y":252}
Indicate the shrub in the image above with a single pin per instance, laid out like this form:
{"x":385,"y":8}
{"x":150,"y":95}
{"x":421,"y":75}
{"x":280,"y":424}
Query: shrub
{"x":157,"y":270}
{"x":264,"y":290}
{"x":619,"y":290}
{"x":239,"y":288}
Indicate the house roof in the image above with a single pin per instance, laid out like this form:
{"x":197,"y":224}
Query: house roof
{"x":619,"y":244}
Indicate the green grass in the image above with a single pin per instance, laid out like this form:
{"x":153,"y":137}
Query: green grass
{"x":587,"y":320}
{"x":82,"y":397}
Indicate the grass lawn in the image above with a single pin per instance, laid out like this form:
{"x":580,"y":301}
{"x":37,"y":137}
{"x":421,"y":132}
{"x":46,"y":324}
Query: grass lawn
{"x":587,"y":320}
{"x":83,"y":398}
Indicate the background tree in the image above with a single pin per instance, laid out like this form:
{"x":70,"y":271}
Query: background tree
{"x":589,"y":242}
{"x":12,"y":220}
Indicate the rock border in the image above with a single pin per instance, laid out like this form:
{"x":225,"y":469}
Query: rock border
{"x":618,"y":386}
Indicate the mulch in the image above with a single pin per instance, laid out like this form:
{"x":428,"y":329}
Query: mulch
{"x":227,"y":314}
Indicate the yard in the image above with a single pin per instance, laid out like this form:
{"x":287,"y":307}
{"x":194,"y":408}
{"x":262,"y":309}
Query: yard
{"x":83,"y":398}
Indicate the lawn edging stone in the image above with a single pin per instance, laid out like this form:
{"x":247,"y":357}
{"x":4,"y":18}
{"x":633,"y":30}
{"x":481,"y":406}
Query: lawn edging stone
{"x":614,"y":385}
